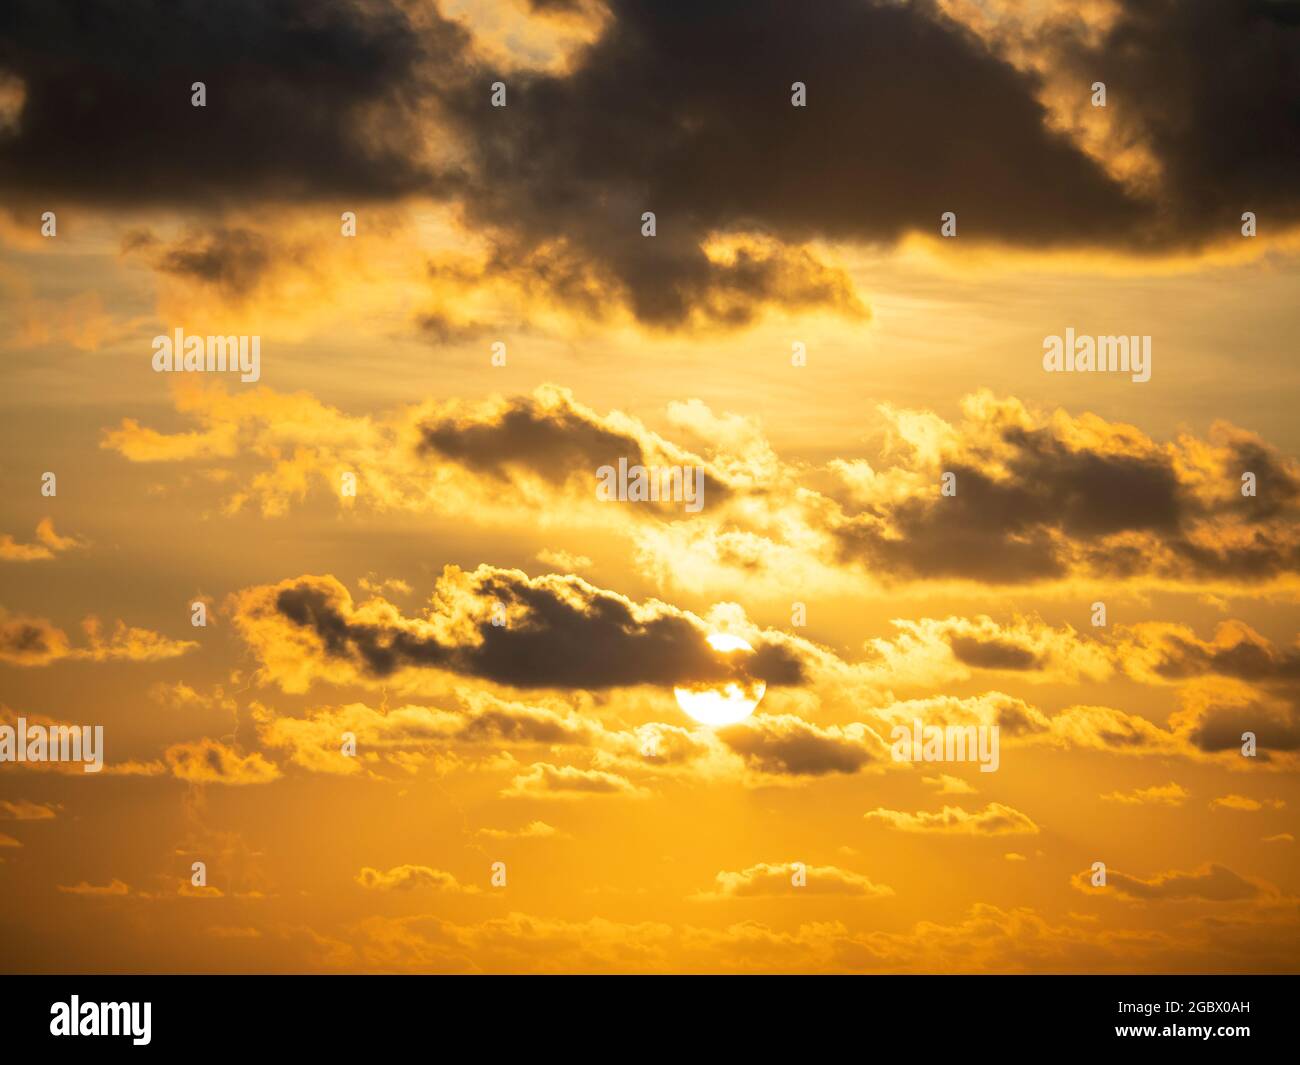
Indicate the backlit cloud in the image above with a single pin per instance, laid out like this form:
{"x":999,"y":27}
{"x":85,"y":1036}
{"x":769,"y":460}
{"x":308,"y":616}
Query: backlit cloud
{"x":996,"y":819}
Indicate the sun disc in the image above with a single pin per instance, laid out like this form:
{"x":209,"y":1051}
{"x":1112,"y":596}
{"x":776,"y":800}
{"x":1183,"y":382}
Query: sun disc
{"x":722,"y":704}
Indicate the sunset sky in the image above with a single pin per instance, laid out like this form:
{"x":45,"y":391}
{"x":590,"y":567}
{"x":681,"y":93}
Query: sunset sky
{"x":504,"y":645}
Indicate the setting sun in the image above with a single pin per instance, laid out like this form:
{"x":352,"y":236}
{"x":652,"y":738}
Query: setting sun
{"x":722,"y":704}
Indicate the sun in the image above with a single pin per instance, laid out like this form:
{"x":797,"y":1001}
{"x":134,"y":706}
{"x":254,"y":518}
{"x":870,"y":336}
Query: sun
{"x":722,"y":704}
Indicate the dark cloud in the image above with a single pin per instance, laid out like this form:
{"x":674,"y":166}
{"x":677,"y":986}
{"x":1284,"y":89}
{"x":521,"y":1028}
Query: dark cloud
{"x":978,"y":538}
{"x":553,"y":442}
{"x":30,"y":641}
{"x":440,"y":327}
{"x":1091,"y":493}
{"x":548,"y":7}
{"x":1211,"y":89}
{"x":233,"y":260}
{"x":1220,"y":728}
{"x":686,"y":111}
{"x":1276,"y":487}
{"x":992,"y":654}
{"x":520,"y":725}
{"x":1240,"y":652}
{"x":304,"y":100}
{"x":561,"y":633}
{"x":1035,"y":504}
{"x":791,"y":746}
{"x":1266,"y":554}
{"x":1015,"y":717}
{"x":557,"y":440}
{"x":1001,"y":528}
{"x":683,"y":110}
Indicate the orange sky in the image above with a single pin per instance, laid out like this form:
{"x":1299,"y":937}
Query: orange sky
{"x":529,"y":796}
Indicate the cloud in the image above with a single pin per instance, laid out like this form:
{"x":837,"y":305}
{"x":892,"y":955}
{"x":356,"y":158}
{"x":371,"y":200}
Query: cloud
{"x":550,"y":437}
{"x":26,"y":641}
{"x":131,"y":644}
{"x":405,"y":737}
{"x":532,"y":830}
{"x":300,"y":130}
{"x":391,"y":586}
{"x":1156,"y":54}
{"x":24,"y":810}
{"x":765,"y":750}
{"x":1014,"y":718}
{"x":136,"y":769}
{"x":985,"y":938}
{"x":410,"y":877}
{"x":765,"y":880}
{"x":785,"y":744}
{"x":446,"y":457}
{"x":949,"y":785}
{"x":624,"y":117}
{"x":516,"y":942}
{"x":546,"y":434}
{"x":1245,"y":804}
{"x":1103,"y":728}
{"x":545,"y":781}
{"x":664,"y":748}
{"x":31,"y":641}
{"x":1210,"y":883}
{"x":275,"y":272}
{"x":48,"y":544}
{"x":188,"y":890}
{"x":1216,"y":714}
{"x":606,"y":141}
{"x":750,"y":193}
{"x":475,"y":729}
{"x":996,"y":819}
{"x":1044,"y":497}
{"x":232,"y":259}
{"x":558,"y":632}
{"x":209,"y":761}
{"x":1207,"y":726}
{"x":562,"y":561}
{"x":1170,"y":794}
{"x":927,"y":650}
{"x":1164,"y":652}
{"x":113,"y":887}
{"x":181,"y":695}
{"x":568,"y":223}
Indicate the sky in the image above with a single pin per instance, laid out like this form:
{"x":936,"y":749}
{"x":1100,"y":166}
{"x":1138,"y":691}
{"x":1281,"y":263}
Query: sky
{"x":387,"y":683}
